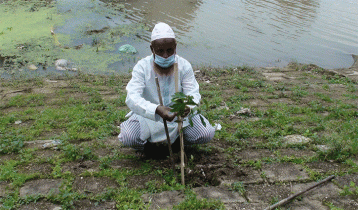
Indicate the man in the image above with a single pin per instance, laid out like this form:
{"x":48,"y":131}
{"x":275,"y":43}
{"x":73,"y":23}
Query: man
{"x":145,"y":121}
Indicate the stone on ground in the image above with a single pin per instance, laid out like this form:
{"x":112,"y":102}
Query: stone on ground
{"x":295,"y":139}
{"x":94,"y":205}
{"x":284,"y":172}
{"x":346,"y":180}
{"x":41,"y":205}
{"x":41,"y":187}
{"x":139,"y":181}
{"x":219,"y":193}
{"x":93,"y":185}
{"x":321,"y":192}
{"x":163,"y":200}
{"x":265,"y":194}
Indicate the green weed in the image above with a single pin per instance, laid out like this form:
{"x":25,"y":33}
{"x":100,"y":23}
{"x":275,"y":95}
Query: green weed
{"x":352,"y":189}
{"x":238,"y":187}
{"x":191,"y":202}
{"x":11,"y":142}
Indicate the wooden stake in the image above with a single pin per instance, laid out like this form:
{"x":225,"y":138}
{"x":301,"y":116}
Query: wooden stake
{"x":284,"y":201}
{"x":182,"y":164}
{"x":180,"y":126}
{"x":165,"y":127}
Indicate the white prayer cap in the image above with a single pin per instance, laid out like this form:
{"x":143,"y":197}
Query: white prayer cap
{"x":162,"y":30}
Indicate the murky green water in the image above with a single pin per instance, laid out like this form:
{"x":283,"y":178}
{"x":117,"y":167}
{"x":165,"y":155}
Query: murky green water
{"x":217,"y":33}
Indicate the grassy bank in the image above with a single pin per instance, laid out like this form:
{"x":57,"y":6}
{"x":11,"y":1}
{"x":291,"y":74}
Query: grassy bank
{"x":83,"y":113}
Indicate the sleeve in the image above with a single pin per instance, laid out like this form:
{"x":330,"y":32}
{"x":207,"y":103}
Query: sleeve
{"x":189,"y":84}
{"x":135,"y":100}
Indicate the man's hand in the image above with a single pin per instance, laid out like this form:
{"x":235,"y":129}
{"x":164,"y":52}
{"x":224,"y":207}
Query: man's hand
{"x":186,"y":111}
{"x":164,"y":112}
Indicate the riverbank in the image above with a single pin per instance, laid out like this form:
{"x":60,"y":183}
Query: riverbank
{"x":283,"y":129}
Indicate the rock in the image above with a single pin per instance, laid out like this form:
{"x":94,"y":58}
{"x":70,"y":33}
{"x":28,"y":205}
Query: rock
{"x":41,"y":187}
{"x":223,"y":106}
{"x":323,"y":148}
{"x":87,"y":204}
{"x":52,"y":144}
{"x":36,"y":143}
{"x":127,"y":49}
{"x":61,"y":64}
{"x":284,"y":172}
{"x":215,"y":193}
{"x":18,"y":122}
{"x":163,"y":200}
{"x":93,"y":185}
{"x":32,"y":67}
{"x":296,"y":139}
{"x":217,"y":127}
{"x":244,"y":111}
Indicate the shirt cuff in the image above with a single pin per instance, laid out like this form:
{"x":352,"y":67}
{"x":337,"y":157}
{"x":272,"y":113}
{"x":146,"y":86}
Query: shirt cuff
{"x":150,"y":113}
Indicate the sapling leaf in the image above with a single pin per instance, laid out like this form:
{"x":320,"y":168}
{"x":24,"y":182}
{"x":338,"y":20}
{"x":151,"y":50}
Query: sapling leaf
{"x":191,"y":121}
{"x":202,"y":120}
{"x":181,"y":102}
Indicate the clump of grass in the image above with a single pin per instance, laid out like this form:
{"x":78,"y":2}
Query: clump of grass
{"x":74,"y":152}
{"x":192,"y":202}
{"x":238,"y":187}
{"x":31,"y":100}
{"x":351,"y":190}
{"x":11,"y":143}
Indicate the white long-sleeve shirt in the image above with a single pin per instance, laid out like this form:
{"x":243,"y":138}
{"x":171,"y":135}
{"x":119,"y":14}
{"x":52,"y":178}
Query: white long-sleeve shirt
{"x":143,"y":100}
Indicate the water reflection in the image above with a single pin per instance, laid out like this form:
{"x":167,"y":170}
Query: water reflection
{"x":252,"y":32}
{"x":175,"y":13}
{"x":279,"y":18}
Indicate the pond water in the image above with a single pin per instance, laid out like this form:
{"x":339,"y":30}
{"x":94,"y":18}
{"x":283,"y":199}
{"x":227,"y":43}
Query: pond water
{"x":211,"y":32}
{"x":256,"y":32}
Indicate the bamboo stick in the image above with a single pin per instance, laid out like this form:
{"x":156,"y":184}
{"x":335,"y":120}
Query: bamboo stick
{"x":284,"y":201}
{"x":165,"y":126}
{"x":182,"y":164}
{"x":180,"y":126}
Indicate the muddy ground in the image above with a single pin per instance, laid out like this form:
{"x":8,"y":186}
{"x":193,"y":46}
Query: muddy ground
{"x":244,"y":174}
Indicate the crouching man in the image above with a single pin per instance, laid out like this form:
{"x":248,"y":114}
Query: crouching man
{"x":145,"y":123}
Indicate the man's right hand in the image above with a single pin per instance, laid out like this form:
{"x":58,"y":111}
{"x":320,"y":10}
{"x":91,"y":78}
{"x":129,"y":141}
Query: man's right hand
{"x":164,"y":112}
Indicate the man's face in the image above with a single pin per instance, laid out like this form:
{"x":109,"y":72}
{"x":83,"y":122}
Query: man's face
{"x":164,"y":47}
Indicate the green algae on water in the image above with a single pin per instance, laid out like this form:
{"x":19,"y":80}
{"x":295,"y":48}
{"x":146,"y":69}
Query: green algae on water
{"x":27,"y":36}
{"x":25,"y":32}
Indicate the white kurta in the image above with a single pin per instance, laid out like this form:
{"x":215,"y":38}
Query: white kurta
{"x":142,"y":97}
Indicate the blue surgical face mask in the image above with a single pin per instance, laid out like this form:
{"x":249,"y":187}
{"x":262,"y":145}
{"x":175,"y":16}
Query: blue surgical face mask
{"x":164,"y":62}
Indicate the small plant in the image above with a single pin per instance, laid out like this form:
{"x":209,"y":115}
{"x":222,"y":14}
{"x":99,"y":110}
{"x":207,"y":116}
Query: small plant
{"x":181,"y":103}
{"x":192,"y":202}
{"x":333,"y":207}
{"x":352,"y":189}
{"x":274,"y":200}
{"x":263,"y":175}
{"x":11,"y":143}
{"x":326,"y":87}
{"x":238,"y":187}
{"x":74,"y":152}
